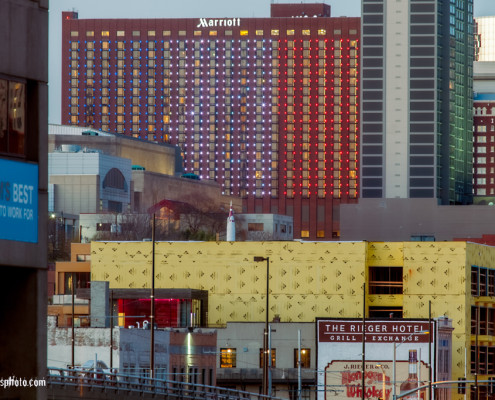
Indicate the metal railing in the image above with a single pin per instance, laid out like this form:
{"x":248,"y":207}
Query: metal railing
{"x":74,"y":378}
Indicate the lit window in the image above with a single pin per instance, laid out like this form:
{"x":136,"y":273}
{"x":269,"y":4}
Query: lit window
{"x":290,"y":32}
{"x":120,"y":33}
{"x":275,"y":32}
{"x":274,"y":358}
{"x":322,"y":31}
{"x":105,"y":33}
{"x":213,"y":33}
{"x":259,"y":32}
{"x":244,"y":33}
{"x":305,"y":357}
{"x":305,"y":234}
{"x":306,"y":32}
{"x":90,"y":33}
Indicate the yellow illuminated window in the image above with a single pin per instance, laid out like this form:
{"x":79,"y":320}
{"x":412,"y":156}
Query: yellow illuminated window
{"x":90,"y":33}
{"x":290,"y":31}
{"x":197,"y":33}
{"x":213,"y":33}
{"x":74,"y":33}
{"x":227,"y":358}
{"x":322,"y":31}
{"x":259,"y":32}
{"x":306,"y":32}
{"x":244,"y":33}
{"x":120,"y":33}
{"x":151,"y":33}
{"x":105,"y":33}
{"x":275,"y":32}
{"x":166,"y":33}
{"x":304,"y":234}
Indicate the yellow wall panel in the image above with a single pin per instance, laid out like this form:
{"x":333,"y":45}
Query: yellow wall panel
{"x":307,"y":279}
{"x":389,"y":254}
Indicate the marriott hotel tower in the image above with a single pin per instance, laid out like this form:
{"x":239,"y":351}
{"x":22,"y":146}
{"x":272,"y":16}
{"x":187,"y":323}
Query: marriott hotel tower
{"x":266,"y":107}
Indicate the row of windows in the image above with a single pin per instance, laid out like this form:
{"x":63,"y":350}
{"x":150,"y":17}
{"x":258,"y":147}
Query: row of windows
{"x":242,"y":32}
{"x":482,"y":281}
{"x":228,"y":358}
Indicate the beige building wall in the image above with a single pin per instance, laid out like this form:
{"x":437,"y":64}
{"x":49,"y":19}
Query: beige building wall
{"x":160,"y":158}
{"x":74,"y":194}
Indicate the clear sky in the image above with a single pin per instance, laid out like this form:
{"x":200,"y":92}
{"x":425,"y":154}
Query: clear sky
{"x":173,"y":9}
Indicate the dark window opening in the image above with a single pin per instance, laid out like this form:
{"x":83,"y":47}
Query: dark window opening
{"x":385,"y":280}
{"x":385,"y":312}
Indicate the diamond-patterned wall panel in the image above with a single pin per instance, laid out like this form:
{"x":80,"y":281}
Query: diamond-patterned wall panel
{"x":307,"y":279}
{"x":385,"y":254}
{"x":434,"y":268}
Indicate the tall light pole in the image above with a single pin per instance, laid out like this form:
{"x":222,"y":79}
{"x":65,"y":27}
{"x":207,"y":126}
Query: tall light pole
{"x":383,"y":380}
{"x":394,"y":391}
{"x":265,"y":334}
{"x":152,"y":316}
{"x":429,"y":351}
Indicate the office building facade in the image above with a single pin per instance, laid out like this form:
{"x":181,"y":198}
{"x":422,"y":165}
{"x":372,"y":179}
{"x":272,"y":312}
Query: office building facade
{"x":267,"y":107}
{"x":485,"y":38}
{"x":417,"y":71}
{"x":23,"y":194}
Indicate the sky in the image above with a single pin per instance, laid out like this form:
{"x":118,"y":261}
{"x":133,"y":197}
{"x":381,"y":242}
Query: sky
{"x":173,"y":9}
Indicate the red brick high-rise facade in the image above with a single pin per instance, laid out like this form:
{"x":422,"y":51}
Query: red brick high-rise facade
{"x":267,"y":107}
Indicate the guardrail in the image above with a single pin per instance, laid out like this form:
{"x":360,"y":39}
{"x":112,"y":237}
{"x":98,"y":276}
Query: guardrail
{"x":73,"y":378}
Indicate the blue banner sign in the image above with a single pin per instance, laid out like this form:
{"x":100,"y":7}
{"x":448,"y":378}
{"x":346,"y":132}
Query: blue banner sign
{"x":18,"y":201}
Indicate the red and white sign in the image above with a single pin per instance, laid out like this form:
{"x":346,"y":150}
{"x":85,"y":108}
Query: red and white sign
{"x":376,"y":331}
{"x":340,"y":348}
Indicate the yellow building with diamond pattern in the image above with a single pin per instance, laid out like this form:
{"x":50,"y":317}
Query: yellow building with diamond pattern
{"x":323,"y":279}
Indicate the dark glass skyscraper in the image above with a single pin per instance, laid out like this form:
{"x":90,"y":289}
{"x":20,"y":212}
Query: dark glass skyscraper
{"x":267,"y":107}
{"x":417,"y":73}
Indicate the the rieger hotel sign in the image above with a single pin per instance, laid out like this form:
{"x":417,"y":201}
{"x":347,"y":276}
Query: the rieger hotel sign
{"x":340,"y":357}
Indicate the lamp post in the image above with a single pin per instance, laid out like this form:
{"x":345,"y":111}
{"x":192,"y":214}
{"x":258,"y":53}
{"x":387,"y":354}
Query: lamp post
{"x":265,"y":334}
{"x":152,"y":296}
{"x":394,"y":392}
{"x":383,"y":380}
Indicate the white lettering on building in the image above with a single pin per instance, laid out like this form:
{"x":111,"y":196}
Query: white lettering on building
{"x":215,"y":22}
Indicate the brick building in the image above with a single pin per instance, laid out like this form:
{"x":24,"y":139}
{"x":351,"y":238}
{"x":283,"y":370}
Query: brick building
{"x":266,"y":107}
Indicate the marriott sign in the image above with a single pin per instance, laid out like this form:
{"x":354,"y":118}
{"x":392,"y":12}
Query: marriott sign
{"x":212,"y":22}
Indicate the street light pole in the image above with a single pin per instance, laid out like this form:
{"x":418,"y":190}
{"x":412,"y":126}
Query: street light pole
{"x":265,"y":335}
{"x":152,"y":316}
{"x":383,"y":380}
{"x":429,"y":351}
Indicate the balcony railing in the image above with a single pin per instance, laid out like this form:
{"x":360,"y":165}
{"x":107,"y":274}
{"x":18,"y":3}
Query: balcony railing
{"x":76,"y":380}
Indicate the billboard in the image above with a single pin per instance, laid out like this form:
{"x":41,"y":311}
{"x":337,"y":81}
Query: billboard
{"x":340,"y":368}
{"x":18,"y":201}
